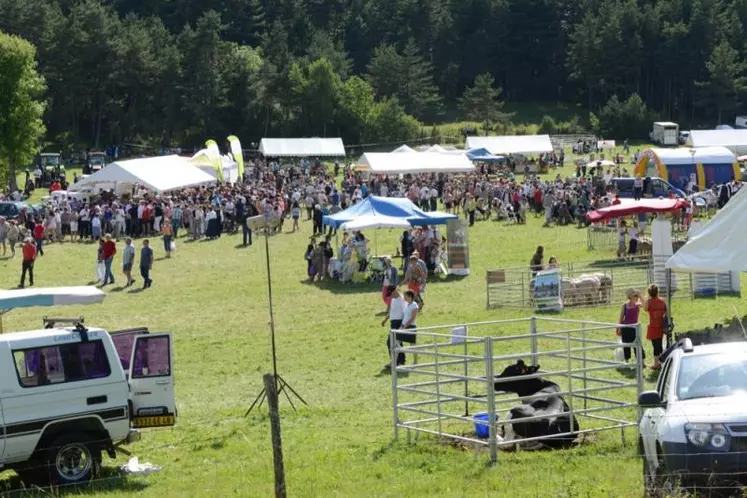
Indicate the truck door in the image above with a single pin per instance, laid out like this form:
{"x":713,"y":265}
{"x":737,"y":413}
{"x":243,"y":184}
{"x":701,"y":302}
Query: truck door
{"x":124,"y":342}
{"x":152,"y":382}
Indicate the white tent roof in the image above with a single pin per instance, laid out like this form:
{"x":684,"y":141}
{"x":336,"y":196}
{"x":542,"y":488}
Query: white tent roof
{"x":160,"y":174}
{"x":724,"y":138}
{"x":720,"y":246}
{"x":419,"y":162}
{"x":301,"y":147}
{"x":374,"y":221}
{"x":404,"y":148}
{"x":703,"y":155}
{"x":520,"y":144}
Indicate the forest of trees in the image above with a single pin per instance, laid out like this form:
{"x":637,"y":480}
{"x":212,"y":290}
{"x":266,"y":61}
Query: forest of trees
{"x":175,"y":72}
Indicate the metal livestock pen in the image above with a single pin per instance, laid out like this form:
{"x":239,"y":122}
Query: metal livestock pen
{"x":454,"y":373}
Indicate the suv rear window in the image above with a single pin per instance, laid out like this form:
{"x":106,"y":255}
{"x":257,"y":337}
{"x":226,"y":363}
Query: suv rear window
{"x":61,"y":364}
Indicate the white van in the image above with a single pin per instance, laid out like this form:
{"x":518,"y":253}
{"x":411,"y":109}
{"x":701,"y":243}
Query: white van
{"x":68,"y":394}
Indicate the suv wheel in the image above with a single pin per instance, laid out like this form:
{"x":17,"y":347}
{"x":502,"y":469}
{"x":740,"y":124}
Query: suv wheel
{"x":73,"y":459}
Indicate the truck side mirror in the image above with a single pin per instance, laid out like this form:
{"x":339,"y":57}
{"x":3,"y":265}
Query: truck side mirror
{"x":649,"y":399}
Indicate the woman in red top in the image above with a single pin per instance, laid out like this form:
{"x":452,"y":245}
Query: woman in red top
{"x":657,"y":310}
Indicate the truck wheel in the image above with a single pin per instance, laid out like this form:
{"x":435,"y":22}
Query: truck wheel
{"x":73,"y":458}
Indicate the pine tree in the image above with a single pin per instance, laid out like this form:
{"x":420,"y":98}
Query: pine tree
{"x":725,"y":81}
{"x":418,"y":92}
{"x":481,"y":103}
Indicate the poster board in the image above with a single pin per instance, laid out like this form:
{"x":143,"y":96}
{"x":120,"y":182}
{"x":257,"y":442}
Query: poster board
{"x":546,"y":290}
{"x":457,"y":247}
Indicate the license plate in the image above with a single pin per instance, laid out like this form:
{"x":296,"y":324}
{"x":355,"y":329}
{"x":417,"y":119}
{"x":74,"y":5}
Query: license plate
{"x":159,"y":421}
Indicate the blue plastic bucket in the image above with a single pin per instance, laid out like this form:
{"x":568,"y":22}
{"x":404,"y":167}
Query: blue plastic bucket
{"x":482,"y":424}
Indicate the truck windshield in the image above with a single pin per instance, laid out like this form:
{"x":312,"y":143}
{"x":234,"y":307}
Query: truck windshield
{"x":50,"y":161}
{"x":712,"y":375}
{"x":97,"y":160}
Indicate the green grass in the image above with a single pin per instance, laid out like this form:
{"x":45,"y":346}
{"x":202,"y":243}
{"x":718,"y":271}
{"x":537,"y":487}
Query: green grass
{"x":212,"y":297}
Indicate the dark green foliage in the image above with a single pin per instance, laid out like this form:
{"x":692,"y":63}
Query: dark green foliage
{"x":177,"y":71}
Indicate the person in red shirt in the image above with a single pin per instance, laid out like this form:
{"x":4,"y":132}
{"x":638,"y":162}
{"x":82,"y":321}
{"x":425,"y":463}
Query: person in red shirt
{"x":29,"y":256}
{"x":55,"y":186}
{"x":108,"y":252}
{"x":39,"y":237}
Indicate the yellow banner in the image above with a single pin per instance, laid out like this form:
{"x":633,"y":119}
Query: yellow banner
{"x":238,"y":155}
{"x":214,"y":154}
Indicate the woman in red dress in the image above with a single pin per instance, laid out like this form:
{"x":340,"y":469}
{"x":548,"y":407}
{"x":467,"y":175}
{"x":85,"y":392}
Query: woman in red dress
{"x":657,"y":310}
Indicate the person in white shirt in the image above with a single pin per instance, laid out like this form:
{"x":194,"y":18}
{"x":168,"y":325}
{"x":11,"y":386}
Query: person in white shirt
{"x":383,"y":190}
{"x":395,"y":314}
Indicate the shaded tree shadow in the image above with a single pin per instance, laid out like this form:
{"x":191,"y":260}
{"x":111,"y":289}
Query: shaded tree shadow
{"x":109,"y":480}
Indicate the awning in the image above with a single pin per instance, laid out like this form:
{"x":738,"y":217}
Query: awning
{"x":483,"y":156}
{"x":636,"y":207}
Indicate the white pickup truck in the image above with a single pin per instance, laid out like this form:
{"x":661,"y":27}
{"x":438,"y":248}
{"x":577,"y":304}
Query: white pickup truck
{"x":68,"y":394}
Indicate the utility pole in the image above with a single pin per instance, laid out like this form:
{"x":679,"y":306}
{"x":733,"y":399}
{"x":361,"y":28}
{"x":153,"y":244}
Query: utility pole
{"x":277,"y":445}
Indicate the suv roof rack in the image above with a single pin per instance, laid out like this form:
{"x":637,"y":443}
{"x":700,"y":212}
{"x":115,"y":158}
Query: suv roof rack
{"x":50,"y":323}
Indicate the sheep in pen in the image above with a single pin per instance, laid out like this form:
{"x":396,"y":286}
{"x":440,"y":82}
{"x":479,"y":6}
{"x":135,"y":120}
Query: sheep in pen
{"x":584,"y":290}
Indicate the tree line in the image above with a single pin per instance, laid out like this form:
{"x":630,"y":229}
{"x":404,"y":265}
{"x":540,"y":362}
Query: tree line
{"x":175,"y":72}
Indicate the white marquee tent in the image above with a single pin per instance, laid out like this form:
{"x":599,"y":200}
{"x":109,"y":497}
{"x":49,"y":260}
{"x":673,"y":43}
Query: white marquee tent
{"x":520,"y":144}
{"x":390,"y":163}
{"x":734,"y":140}
{"x":719,"y":247}
{"x":302,"y":147}
{"x":159,"y":174}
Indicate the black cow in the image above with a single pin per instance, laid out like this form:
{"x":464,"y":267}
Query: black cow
{"x":559,"y":420}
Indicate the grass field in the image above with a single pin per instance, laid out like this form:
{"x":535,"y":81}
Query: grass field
{"x":212,"y":296}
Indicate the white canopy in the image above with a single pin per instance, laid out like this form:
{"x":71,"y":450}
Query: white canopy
{"x":50,"y":296}
{"x":159,"y":174}
{"x":404,"y":148}
{"x":720,"y":246}
{"x":301,"y":147}
{"x":520,"y":144}
{"x":374,"y":221}
{"x":734,"y":140}
{"x":382,"y":163}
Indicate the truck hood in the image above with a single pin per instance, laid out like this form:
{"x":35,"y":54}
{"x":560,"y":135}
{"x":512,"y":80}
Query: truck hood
{"x":716,"y":410}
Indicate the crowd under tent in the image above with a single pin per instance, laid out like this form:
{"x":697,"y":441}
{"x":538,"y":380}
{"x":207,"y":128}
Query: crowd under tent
{"x":388,"y":163}
{"x":505,"y":145}
{"x":376,"y":210}
{"x":708,"y":165}
{"x":302,"y":147}
{"x":158,"y":174}
{"x":734,"y":140}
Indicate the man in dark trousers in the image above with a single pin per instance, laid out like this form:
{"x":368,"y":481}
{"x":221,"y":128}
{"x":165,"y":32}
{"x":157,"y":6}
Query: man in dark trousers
{"x":29,"y":256}
{"x":249,"y":211}
{"x":146,"y":263}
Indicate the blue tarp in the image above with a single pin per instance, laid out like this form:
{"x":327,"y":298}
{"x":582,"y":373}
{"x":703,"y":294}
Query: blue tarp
{"x":388,"y":206}
{"x":483,"y":155}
